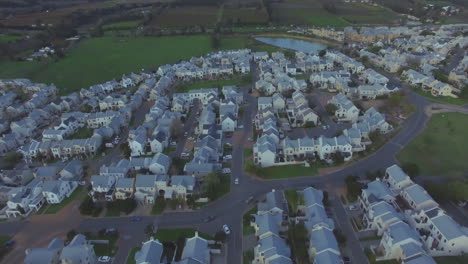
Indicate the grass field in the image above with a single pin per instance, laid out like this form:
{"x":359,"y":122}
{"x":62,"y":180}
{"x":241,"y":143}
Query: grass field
{"x":244,"y":16}
{"x":316,"y":17}
{"x":290,"y":171}
{"x":9,"y":38}
{"x":131,"y":255}
{"x":240,"y":42}
{"x":247,"y":229}
{"x":171,"y":235}
{"x":186,"y":16}
{"x":238,"y":81}
{"x":449,"y":100}
{"x":98,"y":60}
{"x":122,"y":25}
{"x":79,"y":194}
{"x":441,"y":149}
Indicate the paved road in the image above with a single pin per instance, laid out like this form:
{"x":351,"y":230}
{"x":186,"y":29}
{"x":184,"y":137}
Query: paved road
{"x":229,"y":209}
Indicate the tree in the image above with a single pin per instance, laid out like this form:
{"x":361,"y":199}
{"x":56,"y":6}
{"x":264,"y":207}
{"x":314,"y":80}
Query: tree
{"x":125,"y":150}
{"x":11,"y":159}
{"x":322,"y":52}
{"x":71,"y":234}
{"x":331,"y":109}
{"x":353,"y":186}
{"x":220,"y":237}
{"x":149,"y":229}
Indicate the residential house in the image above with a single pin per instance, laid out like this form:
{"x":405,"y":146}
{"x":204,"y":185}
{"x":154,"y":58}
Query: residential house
{"x":196,"y":250}
{"x":396,"y":178}
{"x":397,"y":236}
{"x":346,"y":110}
{"x":275,"y":203}
{"x":160,"y":164}
{"x":150,"y":253}
{"x":78,"y":251}
{"x":73,"y":171}
{"x":48,"y":255}
{"x":145,"y":188}
{"x":124,"y":188}
{"x":56,"y":191}
{"x":182,"y":185}
{"x":103,"y":187}
{"x":418,"y":198}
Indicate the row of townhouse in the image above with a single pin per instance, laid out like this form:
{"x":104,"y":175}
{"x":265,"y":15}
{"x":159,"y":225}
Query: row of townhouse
{"x":436,"y":87}
{"x":101,"y":90}
{"x":411,"y":223}
{"x":274,"y":80}
{"x":326,"y":32}
{"x":104,"y":184}
{"x":196,"y":250}
{"x":228,"y":115}
{"x":298,"y":110}
{"x":207,"y":153}
{"x":50,"y":184}
{"x":79,"y":250}
{"x":269,"y":223}
{"x":373,"y":34}
{"x":266,"y":147}
{"x":323,"y":246}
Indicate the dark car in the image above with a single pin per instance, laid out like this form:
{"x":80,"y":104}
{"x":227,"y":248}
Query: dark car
{"x":209,"y":218}
{"x":346,"y":260}
{"x":10,"y":243}
{"x":135,"y":218}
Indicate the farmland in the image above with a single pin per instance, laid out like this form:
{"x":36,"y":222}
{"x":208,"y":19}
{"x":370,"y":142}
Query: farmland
{"x":186,"y":16}
{"x":244,"y":16}
{"x":9,"y":38}
{"x":89,"y":63}
{"x":122,"y":25}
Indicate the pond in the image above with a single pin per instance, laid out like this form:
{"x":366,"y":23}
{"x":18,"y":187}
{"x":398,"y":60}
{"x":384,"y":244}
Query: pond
{"x":293,"y":44}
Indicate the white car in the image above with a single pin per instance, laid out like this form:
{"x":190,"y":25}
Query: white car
{"x":241,"y":126}
{"x":226,"y":170}
{"x":236,"y":181}
{"x":228,"y":157}
{"x":173,"y":143}
{"x":352,"y":207}
{"x":226,"y":229}
{"x":104,"y":259}
{"x":183,"y":154}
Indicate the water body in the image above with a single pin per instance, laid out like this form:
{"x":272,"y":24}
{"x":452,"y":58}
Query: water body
{"x":293,"y":44}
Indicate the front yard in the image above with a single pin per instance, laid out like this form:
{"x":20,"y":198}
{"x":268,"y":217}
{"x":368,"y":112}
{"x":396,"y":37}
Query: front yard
{"x":290,"y":171}
{"x":131,"y":256}
{"x":441,"y":149}
{"x":104,"y":249}
{"x":171,"y":235}
{"x":247,"y":229}
{"x":79,"y":194}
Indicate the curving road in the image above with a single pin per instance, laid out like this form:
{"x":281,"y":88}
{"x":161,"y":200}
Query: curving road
{"x":229,"y":209}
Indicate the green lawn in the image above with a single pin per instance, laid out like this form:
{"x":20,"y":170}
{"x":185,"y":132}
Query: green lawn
{"x":237,"y":81}
{"x":441,"y":149}
{"x":131,"y":255}
{"x":168,"y":150}
{"x":248,"y":256}
{"x":4,"y":239}
{"x":83,"y":133}
{"x":290,"y":171}
{"x":449,"y":100}
{"x":171,"y":235}
{"x":122,"y":25}
{"x":104,"y":249}
{"x":452,"y":260}
{"x":9,"y":38}
{"x":224,"y":187}
{"x":247,"y":229}
{"x":97,"y":60}
{"x":79,"y":194}
{"x":294,"y":199}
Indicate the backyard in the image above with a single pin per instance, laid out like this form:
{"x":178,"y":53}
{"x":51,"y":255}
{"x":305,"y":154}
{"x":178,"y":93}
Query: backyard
{"x":441,"y":149}
{"x":237,"y":81}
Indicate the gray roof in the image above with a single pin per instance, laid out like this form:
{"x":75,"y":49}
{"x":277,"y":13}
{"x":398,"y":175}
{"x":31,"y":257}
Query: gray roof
{"x":396,"y":173}
{"x":312,"y":196}
{"x":421,"y":259}
{"x":327,"y":257}
{"x":273,"y":245}
{"x":411,"y":249}
{"x":196,"y":248}
{"x":77,"y":250}
{"x":316,"y":216}
{"x":418,"y":194}
{"x":162,"y":159}
{"x":401,"y":231}
{"x":145,"y":181}
{"x":448,"y":227}
{"x":268,"y":223}
{"x":44,"y":255}
{"x":51,"y":186}
{"x":124,"y":183}
{"x":150,"y":252}
{"x":274,"y":199}
{"x":187,"y":181}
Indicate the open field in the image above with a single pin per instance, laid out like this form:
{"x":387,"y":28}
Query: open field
{"x":289,"y":171}
{"x":244,"y":16}
{"x":9,"y":38}
{"x":186,"y":16}
{"x":90,"y":62}
{"x":441,"y":149}
{"x":237,"y":81}
{"x":122,"y":25}
{"x":310,"y":16}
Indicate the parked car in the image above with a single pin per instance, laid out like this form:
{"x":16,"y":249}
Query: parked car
{"x":250,"y":139}
{"x":135,"y":218}
{"x":111,"y":230}
{"x":250,"y":199}
{"x":226,"y":170}
{"x":352,"y":207}
{"x":227,"y":157}
{"x":346,"y":260}
{"x":173,"y":143}
{"x":104,"y":259}
{"x":9,"y":243}
{"x":241,"y":126}
{"x":226,"y":229}
{"x":236,"y":181}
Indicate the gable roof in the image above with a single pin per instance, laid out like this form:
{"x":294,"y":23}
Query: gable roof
{"x":150,"y":252}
